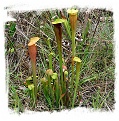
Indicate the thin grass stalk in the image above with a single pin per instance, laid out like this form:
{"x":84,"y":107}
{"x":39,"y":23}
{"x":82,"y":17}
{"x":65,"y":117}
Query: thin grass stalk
{"x":44,"y":82}
{"x":86,"y":29}
{"x":47,"y":96}
{"x":66,"y":24}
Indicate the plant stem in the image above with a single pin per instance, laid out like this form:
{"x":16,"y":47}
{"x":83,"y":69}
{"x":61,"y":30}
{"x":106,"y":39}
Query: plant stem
{"x":77,"y":82}
{"x":66,"y":98}
{"x":73,"y":43}
{"x":57,"y":93}
{"x":73,"y":55}
{"x":50,"y":61}
{"x":34,"y":79}
{"x":33,"y":96}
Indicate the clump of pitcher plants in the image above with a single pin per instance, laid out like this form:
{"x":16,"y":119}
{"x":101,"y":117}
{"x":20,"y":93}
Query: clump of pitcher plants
{"x":59,"y":89}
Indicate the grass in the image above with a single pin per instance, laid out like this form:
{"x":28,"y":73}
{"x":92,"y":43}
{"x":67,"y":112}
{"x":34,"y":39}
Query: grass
{"x":96,"y":85}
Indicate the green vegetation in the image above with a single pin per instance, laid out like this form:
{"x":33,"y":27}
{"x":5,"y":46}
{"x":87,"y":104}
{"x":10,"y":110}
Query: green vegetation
{"x":73,"y":61}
